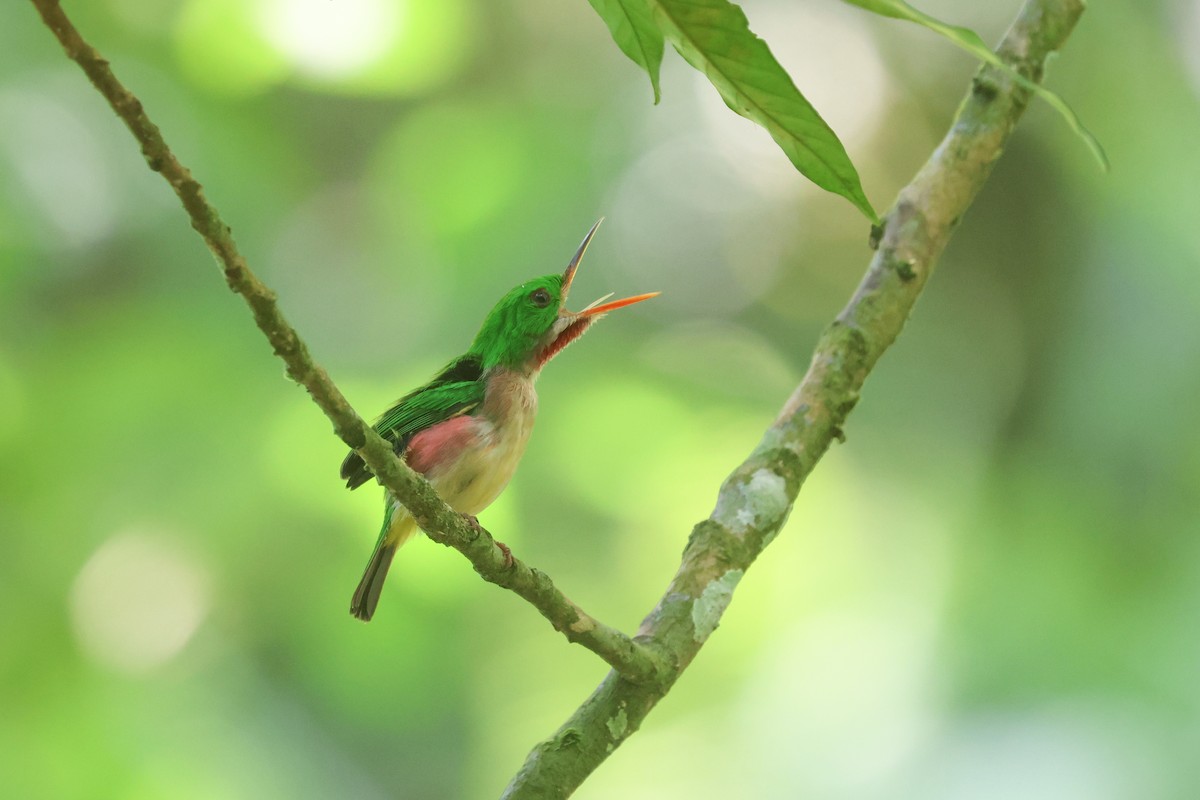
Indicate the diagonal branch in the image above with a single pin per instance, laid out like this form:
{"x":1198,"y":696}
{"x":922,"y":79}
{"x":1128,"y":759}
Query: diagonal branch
{"x":445,"y":526}
{"x":755,"y":500}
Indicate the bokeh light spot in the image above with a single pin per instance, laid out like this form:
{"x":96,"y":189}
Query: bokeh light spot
{"x":454,"y":165}
{"x":692,"y":225}
{"x":366,"y":46}
{"x":137,"y":602}
{"x":332,"y":39}
{"x":221,"y":49}
{"x":60,"y":164}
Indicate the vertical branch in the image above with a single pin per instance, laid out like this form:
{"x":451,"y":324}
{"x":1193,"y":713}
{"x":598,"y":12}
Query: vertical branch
{"x":756,"y":499}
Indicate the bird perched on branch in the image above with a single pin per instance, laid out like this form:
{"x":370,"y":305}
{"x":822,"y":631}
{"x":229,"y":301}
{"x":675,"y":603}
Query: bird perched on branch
{"x":466,"y":429}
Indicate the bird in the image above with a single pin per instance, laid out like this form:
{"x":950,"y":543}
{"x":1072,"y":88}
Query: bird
{"x":467,"y":428}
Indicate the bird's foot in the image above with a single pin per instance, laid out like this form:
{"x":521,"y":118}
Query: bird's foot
{"x":508,"y":558}
{"x":473,"y":523}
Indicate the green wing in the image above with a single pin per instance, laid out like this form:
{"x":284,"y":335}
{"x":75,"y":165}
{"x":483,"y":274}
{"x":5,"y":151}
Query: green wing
{"x":457,"y":389}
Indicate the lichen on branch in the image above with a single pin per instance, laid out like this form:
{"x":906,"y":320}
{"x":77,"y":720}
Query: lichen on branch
{"x":749,"y":510}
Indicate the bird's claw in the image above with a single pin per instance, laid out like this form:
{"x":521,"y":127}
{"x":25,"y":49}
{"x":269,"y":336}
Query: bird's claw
{"x":473,"y":523}
{"x":508,"y":556}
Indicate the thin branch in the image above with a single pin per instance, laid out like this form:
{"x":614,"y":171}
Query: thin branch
{"x":755,"y":500}
{"x":445,"y":526}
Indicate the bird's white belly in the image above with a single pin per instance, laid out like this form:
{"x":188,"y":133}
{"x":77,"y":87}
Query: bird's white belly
{"x":469,"y":484}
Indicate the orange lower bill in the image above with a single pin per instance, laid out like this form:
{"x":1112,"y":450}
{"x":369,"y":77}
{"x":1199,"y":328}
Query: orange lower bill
{"x":615,"y":304}
{"x":581,"y":322}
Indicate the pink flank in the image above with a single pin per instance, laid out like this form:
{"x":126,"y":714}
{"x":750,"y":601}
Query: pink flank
{"x":439,"y":446}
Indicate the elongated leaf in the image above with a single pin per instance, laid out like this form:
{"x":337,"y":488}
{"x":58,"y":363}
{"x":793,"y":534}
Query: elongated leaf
{"x":715,"y":38}
{"x":633,"y":29}
{"x":968,"y":40}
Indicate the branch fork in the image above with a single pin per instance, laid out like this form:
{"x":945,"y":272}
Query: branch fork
{"x":754,"y":502}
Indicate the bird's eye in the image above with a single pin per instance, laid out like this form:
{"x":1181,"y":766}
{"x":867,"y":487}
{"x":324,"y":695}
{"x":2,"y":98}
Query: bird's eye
{"x":540,"y":298}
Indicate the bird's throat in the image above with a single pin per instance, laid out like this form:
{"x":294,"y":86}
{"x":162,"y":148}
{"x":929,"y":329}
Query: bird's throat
{"x":510,"y":400}
{"x":571,"y":331}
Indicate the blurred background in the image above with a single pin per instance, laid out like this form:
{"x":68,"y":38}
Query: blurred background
{"x":992,"y":590}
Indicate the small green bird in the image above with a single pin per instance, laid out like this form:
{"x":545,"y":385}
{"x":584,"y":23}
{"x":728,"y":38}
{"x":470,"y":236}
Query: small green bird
{"x":467,"y":428}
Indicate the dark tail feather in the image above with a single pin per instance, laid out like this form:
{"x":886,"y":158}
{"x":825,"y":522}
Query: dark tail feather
{"x":366,"y":596}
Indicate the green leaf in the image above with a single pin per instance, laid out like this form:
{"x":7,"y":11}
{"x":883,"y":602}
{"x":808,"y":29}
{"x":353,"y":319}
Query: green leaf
{"x":968,"y":40}
{"x":633,"y":29}
{"x":715,"y":38}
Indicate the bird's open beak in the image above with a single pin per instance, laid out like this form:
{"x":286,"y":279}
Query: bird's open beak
{"x":570,"y":325}
{"x":569,"y":275}
{"x":598,"y":307}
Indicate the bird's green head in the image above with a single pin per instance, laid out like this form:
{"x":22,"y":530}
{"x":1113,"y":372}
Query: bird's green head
{"x":531,"y":324}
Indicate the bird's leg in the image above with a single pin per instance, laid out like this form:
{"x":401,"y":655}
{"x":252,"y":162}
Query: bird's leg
{"x":473,"y":524}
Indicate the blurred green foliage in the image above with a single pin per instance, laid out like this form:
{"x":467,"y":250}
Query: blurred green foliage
{"x":991,"y":590}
